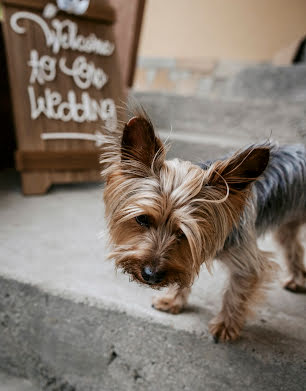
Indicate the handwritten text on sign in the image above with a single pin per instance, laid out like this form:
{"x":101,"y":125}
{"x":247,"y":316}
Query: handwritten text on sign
{"x":63,"y":36}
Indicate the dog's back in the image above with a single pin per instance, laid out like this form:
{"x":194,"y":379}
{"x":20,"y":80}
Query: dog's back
{"x":280,"y":193}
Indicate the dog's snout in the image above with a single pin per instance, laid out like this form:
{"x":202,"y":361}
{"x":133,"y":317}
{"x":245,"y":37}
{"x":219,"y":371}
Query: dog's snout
{"x":150,"y":276}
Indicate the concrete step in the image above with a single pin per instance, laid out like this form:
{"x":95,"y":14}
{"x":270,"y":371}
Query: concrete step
{"x":266,"y":82}
{"x":234,"y":81}
{"x":12,"y":383}
{"x":212,"y":126}
{"x":69,"y":322}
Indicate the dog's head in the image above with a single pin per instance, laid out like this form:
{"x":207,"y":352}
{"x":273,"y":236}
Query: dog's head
{"x":166,"y":218}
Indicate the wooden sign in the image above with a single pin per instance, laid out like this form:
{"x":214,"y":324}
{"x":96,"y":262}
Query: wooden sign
{"x":65,"y":85}
{"x":129,"y":15}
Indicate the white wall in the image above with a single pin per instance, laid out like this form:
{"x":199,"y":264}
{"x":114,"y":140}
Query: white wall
{"x":247,"y":30}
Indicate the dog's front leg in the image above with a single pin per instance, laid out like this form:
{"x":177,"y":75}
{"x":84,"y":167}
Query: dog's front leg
{"x":173,"y":301}
{"x":249,"y":269}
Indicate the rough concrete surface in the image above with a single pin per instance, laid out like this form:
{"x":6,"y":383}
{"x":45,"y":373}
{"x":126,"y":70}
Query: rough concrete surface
{"x":224,"y":123}
{"x":269,"y":83}
{"x":68,"y":322}
{"x":12,"y":383}
{"x":225,"y":80}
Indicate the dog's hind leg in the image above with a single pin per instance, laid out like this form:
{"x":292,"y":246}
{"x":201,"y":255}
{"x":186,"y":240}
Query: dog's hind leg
{"x":287,"y":236}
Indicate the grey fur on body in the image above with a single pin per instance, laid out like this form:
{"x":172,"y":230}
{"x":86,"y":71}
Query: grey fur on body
{"x":278,"y":196}
{"x":281,"y":191}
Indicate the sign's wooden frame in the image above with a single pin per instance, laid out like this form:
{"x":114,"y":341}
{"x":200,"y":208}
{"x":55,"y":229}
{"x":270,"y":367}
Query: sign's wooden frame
{"x":57,"y":160}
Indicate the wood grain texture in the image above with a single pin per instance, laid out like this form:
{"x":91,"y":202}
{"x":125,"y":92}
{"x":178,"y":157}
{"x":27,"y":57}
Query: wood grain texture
{"x":35,"y":182}
{"x":57,"y":160}
{"x":127,"y":32}
{"x":28,"y":131}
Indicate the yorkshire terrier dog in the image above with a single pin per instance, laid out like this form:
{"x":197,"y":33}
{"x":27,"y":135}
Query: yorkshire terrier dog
{"x":167,"y":218}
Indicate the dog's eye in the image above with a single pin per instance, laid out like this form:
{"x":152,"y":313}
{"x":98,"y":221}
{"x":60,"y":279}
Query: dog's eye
{"x":180,"y":234}
{"x":143,"y":220}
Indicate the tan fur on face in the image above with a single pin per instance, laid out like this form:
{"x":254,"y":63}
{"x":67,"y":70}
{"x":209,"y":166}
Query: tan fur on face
{"x":190,"y":213}
{"x":178,"y":197}
{"x":162,"y":198}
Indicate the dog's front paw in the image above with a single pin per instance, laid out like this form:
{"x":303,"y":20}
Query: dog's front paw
{"x":221,"y":331}
{"x":174,"y":305}
{"x":296,"y":285}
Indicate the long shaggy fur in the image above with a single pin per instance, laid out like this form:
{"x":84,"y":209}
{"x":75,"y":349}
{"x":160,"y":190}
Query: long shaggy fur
{"x":196,"y":213}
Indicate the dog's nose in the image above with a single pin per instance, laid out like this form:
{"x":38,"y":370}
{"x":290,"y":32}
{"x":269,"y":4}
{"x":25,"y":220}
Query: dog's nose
{"x":150,"y":276}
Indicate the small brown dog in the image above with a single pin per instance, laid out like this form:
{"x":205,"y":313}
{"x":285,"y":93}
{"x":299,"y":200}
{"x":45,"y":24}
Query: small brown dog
{"x":166,"y":218}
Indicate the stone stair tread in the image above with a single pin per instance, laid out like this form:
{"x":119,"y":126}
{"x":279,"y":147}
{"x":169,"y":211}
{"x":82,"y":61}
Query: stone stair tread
{"x":269,"y":82}
{"x":12,"y":383}
{"x":242,"y":121}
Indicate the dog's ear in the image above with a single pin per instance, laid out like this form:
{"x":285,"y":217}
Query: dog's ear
{"x":241,"y":169}
{"x":140,"y":143}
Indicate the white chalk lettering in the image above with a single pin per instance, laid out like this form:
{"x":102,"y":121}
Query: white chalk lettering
{"x":97,"y":136}
{"x":84,"y":73}
{"x":52,"y":106}
{"x":43,"y":68}
{"x":64,"y":35}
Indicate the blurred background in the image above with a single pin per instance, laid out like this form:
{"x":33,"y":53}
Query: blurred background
{"x":185,"y":43}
